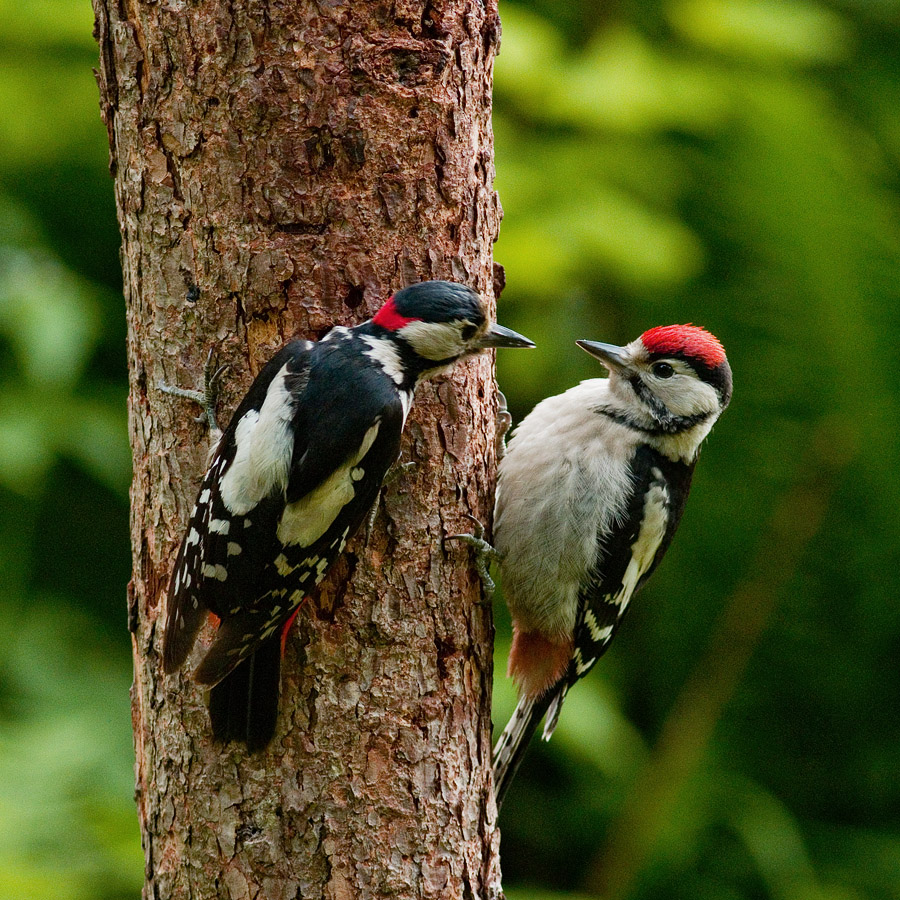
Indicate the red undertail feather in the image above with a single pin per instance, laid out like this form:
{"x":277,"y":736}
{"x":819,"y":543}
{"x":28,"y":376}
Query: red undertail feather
{"x":287,"y":627}
{"x":691,"y":340}
{"x":537,"y":663}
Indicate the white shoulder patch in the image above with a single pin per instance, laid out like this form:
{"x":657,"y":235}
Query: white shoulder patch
{"x":264,"y":442}
{"x":386,"y":355}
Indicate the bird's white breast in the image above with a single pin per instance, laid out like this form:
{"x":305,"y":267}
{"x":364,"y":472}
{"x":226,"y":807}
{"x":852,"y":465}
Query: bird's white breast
{"x":563,"y":482}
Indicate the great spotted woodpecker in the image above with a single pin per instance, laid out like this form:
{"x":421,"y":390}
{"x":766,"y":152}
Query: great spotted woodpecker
{"x":291,"y":480}
{"x":590,"y":492}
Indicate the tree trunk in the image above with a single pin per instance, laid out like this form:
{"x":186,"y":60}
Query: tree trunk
{"x":280,"y":168}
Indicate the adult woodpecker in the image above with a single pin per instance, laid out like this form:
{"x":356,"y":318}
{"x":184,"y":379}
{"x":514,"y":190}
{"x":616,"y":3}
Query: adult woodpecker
{"x":291,"y":480}
{"x":590,"y":492}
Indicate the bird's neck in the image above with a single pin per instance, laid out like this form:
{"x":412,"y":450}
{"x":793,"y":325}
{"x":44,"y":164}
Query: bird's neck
{"x":676,"y":437}
{"x":394,"y":355}
{"x":401,"y":356}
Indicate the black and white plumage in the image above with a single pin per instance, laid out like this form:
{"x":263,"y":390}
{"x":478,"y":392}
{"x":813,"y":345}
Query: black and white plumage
{"x":591,"y":490}
{"x":292,"y":479}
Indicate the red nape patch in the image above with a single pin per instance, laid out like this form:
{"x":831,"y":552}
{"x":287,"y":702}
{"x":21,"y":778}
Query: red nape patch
{"x":690,"y":340}
{"x":537,"y":663}
{"x":388,"y":317}
{"x":214,"y":620}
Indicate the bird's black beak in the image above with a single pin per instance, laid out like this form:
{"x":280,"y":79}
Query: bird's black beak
{"x":614,"y":358}
{"x":498,"y":336}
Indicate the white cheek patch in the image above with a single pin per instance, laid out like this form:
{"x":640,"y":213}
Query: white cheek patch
{"x":434,"y":340}
{"x":687,"y":395}
{"x":653,"y":530}
{"x":264,"y":446}
{"x":306,"y":520}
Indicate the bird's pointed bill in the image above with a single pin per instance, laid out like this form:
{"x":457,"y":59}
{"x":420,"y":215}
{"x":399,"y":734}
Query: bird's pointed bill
{"x":500,"y":336}
{"x":614,"y":358}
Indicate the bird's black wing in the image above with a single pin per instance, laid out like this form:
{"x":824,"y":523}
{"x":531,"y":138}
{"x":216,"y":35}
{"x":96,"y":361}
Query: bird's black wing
{"x":222,"y":551}
{"x":348,"y":423}
{"x":628,"y":555}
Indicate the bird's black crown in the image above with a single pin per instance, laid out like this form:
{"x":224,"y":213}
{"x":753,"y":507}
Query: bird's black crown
{"x":439,"y":301}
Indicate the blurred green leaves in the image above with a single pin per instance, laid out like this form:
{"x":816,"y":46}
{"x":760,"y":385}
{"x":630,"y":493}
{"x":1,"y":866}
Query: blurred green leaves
{"x":49,"y":25}
{"x":766,"y":31}
{"x":67,"y":823}
{"x":50,"y":320}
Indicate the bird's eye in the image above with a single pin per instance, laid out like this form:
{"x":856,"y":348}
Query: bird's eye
{"x":663,"y":370}
{"x":468,"y":331}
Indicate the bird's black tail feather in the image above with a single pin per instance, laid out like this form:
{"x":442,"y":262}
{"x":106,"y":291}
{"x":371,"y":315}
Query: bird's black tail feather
{"x":513,"y":742}
{"x":243,"y":706}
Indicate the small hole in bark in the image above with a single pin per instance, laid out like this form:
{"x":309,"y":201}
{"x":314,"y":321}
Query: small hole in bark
{"x":445,"y":650}
{"x":302,"y":227}
{"x":354,"y":296}
{"x":414,"y":113}
{"x":193,"y":294}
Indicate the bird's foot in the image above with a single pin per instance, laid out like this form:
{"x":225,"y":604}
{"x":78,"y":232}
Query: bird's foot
{"x":504,"y":423}
{"x":207,"y":397}
{"x":485,"y":554}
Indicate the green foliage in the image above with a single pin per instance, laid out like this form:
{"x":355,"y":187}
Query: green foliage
{"x":67,"y":823}
{"x":727,"y":162}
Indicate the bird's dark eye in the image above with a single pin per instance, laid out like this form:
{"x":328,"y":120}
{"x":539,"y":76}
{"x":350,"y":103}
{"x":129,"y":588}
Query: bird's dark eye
{"x":468,"y":331}
{"x":663,"y":370}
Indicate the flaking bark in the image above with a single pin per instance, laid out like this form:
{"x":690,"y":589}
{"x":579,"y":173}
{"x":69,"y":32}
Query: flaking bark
{"x":279,"y":168}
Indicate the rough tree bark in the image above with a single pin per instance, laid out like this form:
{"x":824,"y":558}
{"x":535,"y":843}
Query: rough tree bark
{"x":281,"y":167}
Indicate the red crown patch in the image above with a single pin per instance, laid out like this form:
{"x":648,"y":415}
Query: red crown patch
{"x":689,"y":340}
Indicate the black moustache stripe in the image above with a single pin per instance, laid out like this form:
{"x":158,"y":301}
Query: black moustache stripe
{"x":665,"y":422}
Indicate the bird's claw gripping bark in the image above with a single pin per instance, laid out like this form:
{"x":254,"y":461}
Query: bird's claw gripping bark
{"x":392,"y":474}
{"x":207,"y":397}
{"x":485,"y":554}
{"x":504,"y":423}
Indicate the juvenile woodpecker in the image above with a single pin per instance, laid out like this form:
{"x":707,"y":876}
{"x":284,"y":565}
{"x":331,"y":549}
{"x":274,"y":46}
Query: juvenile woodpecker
{"x":290,"y":481}
{"x":590,"y":492}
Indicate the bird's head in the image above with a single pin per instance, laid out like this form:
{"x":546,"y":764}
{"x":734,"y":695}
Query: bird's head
{"x":441,"y":321}
{"x":673,"y":375}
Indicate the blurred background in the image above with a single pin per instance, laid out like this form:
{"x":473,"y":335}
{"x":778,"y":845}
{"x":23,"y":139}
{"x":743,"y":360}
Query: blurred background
{"x":732,"y":163}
